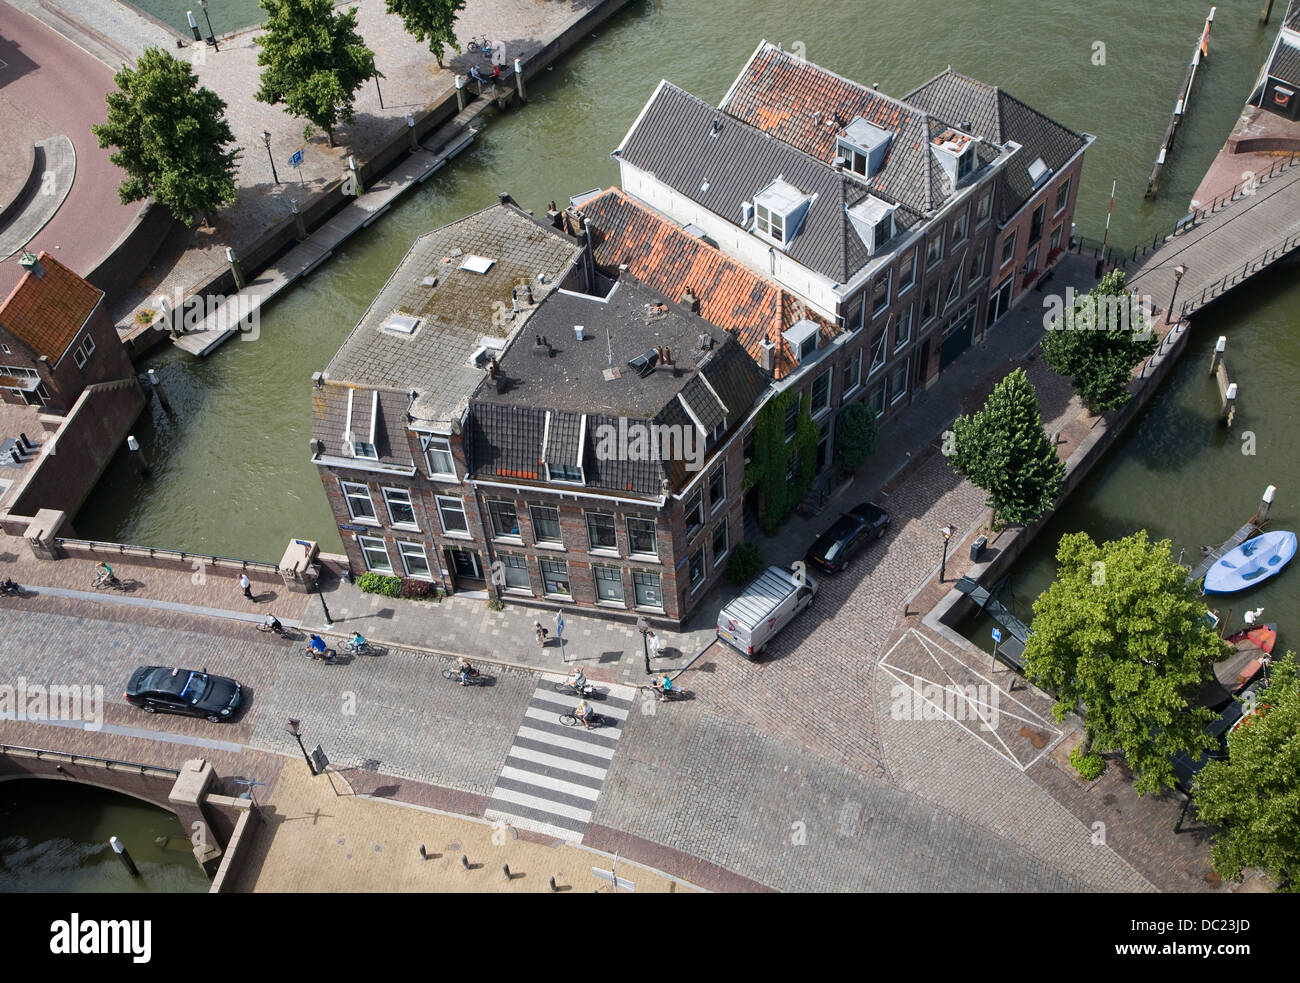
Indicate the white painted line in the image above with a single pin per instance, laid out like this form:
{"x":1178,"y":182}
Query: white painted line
{"x":541,"y":805}
{"x":554,"y":761}
{"x":534,"y":825}
{"x":546,"y":782}
{"x":567,"y":743}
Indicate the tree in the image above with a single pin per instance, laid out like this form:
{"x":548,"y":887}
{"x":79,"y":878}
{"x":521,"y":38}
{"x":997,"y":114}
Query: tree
{"x":1254,"y":796}
{"x":314,"y":61}
{"x":1098,"y":341}
{"x":431,"y":19}
{"x":171,"y":137}
{"x":1004,"y":450}
{"x":855,"y":435}
{"x":1123,"y":633}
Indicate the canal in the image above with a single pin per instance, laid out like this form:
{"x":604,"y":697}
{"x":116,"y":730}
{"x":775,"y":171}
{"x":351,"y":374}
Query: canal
{"x":231,"y":472}
{"x":54,"y":839}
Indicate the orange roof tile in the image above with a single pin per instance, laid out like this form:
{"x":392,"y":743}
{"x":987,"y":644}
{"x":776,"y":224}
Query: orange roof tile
{"x":46,"y":312}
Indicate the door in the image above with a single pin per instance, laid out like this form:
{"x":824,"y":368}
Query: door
{"x":922,"y":364}
{"x":466,"y":570}
{"x":956,"y":340}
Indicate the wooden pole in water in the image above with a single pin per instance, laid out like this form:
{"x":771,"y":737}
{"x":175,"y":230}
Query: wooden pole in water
{"x":120,"y":849}
{"x":1267,"y":12}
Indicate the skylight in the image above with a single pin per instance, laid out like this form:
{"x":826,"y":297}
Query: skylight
{"x":1039,"y":171}
{"x":401,"y":324}
{"x":477,"y":264}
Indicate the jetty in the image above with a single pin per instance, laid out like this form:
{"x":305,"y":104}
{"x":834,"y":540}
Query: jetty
{"x":1253,"y":527}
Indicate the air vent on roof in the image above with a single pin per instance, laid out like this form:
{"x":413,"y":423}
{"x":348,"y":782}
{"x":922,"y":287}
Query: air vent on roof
{"x":401,"y":324}
{"x":429,"y":281}
{"x":645,"y":364}
{"x":477,"y":264}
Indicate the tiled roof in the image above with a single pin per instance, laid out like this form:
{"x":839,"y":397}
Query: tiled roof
{"x":732,"y":296}
{"x":47,"y":312}
{"x":330,"y":414}
{"x":998,"y":116}
{"x":1292,"y":19}
{"x":1286,"y":64}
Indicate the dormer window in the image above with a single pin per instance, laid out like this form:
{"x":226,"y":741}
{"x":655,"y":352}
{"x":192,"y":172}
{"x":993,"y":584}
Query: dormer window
{"x":358,"y":437}
{"x":802,"y":337}
{"x":873,"y":220}
{"x":861,"y":147}
{"x":956,"y":153}
{"x":1039,"y":172}
{"x":779,"y":211}
{"x":966,"y":163}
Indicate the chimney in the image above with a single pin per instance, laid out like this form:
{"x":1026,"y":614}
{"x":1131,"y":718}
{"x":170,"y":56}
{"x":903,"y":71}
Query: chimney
{"x":691,"y":301}
{"x":31,"y":264}
{"x":766,"y":355}
{"x":543,"y":348}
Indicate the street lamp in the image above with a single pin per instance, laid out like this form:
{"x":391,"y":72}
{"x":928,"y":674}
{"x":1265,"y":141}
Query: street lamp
{"x":266,"y":139}
{"x":292,"y":728}
{"x":1179,"y":270}
{"x":212,"y":35}
{"x":643,"y":627}
{"x":947,"y":531}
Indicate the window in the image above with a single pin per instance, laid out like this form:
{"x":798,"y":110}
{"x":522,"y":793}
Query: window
{"x":565,"y":472}
{"x":438,"y":453}
{"x":400,"y":511}
{"x":898,"y":381}
{"x":959,"y":228}
{"x":984,"y":209}
{"x":880,"y":295}
{"x":1036,"y":223}
{"x":907,"y":270}
{"x":1008,"y":248}
{"x":977,"y":263}
{"x":362,"y":447}
{"x":792,"y":417}
{"x":81,"y":354}
{"x":954,"y":288}
{"x":720,"y":544}
{"x":641,"y":536}
{"x":853,"y":372}
{"x":882,"y":232}
{"x":1031,"y":261}
{"x":555,"y":576}
{"x":646,"y":585}
{"x":414,"y":560}
{"x":609,"y":583}
{"x":546,"y":523}
{"x":934,"y":250}
{"x":694,"y":512}
{"x":876,"y":399}
{"x":856,"y":159}
{"x":821,"y":394}
{"x":515,"y":568}
{"x":452,"y":511}
{"x":375,"y":554}
{"x":966,"y":163}
{"x":929,"y":303}
{"x":853,"y":317}
{"x":878,"y":345}
{"x":1055,"y":242}
{"x":505,"y":519}
{"x":717,"y":488}
{"x":695,"y":569}
{"x":360,"y":506}
{"x":1062,"y":197}
{"x":770,"y":223}
{"x":600,"y":531}
{"x":6,"y":349}
{"x":903,"y":330}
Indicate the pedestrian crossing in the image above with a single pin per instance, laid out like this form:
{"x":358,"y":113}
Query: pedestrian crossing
{"x":553,"y":773}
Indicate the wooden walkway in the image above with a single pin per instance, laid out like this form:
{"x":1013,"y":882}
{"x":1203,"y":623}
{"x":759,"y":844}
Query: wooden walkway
{"x":447,"y":142}
{"x":1198,"y":573}
{"x":1223,"y":249}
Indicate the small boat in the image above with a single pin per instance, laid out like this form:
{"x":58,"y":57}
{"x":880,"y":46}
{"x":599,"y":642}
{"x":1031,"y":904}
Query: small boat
{"x":1261,"y":636}
{"x":1250,"y":563}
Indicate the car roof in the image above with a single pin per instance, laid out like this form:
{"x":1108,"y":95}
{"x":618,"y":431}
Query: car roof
{"x":868,"y":511}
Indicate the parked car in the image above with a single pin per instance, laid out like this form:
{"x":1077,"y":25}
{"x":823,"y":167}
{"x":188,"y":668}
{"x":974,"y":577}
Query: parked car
{"x":852,"y":530}
{"x":766,"y":606}
{"x":187,"y":691}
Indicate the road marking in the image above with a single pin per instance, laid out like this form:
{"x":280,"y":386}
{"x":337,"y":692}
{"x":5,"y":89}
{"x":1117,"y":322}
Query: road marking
{"x":149,"y":735}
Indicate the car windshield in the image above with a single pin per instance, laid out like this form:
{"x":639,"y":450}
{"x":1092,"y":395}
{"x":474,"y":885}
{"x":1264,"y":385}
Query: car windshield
{"x":833,"y":551}
{"x":195,"y":687}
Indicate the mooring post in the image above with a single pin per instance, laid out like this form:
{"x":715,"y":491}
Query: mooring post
{"x":1217,"y":358}
{"x":137,"y":455}
{"x":519,"y":79}
{"x":120,"y":849}
{"x":1264,"y":504}
{"x":236,"y":270}
{"x":1267,"y":12}
{"x":410,"y":132}
{"x":158,"y":391}
{"x":299,"y":222}
{"x":460,"y":93}
{"x":1229,"y":404}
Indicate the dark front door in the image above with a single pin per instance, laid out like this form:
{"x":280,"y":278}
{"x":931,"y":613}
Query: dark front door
{"x":1001,"y":300}
{"x":922,"y":364}
{"x":466,"y":569}
{"x":956,"y":340}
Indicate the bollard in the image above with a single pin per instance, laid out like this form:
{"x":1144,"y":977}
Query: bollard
{"x":519,"y":79}
{"x":410,"y":132}
{"x":236,"y":270}
{"x":552,"y":883}
{"x":460,"y":92}
{"x":424,"y":855}
{"x":505,"y":869}
{"x":158,"y":391}
{"x":1217,"y":358}
{"x":120,"y":850}
{"x":299,"y":222}
{"x":137,"y":455}
{"x":464,"y":861}
{"x":1230,"y":404}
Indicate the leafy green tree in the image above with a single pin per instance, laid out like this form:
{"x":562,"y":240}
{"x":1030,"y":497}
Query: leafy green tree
{"x":1254,"y":796}
{"x":1121,"y":632}
{"x":855,"y":435}
{"x":431,"y":19}
{"x":1004,"y":450}
{"x":314,"y":61}
{"x":782,"y":469}
{"x":1098,"y":341}
{"x":171,"y":137}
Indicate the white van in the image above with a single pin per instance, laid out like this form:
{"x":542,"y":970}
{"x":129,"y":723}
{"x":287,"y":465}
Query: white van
{"x":764,"y":608}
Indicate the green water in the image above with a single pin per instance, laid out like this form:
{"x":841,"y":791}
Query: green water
{"x":231,"y":472}
{"x":54,"y":839}
{"x":225,"y":15}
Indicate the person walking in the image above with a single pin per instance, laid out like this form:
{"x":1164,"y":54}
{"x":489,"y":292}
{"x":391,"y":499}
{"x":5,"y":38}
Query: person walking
{"x":247,"y":586}
{"x":541,"y":633}
{"x":652,"y":641}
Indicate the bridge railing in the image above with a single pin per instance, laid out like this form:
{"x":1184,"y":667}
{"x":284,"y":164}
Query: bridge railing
{"x":154,"y":552}
{"x":68,"y":756}
{"x":1229,"y":280}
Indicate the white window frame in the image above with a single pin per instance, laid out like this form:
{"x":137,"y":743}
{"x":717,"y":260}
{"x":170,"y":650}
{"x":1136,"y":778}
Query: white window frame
{"x":631,"y":540}
{"x":405,"y":548}
{"x":1054,"y":240}
{"x":904,"y":320}
{"x":766,"y":220}
{"x":648,"y":575}
{"x":597,"y":580}
{"x":911,"y":282}
{"x":878,"y":353}
{"x":961,"y":223}
{"x":1009,"y":241}
{"x":698,"y":511}
{"x":812,"y":395}
{"x":410,"y":504}
{"x":1031,"y":258}
{"x":429,"y":451}
{"x":559,"y":529}
{"x":591,"y":542}
{"x":855,"y":360}
{"x":507,"y":565}
{"x":719,"y":473}
{"x":364,"y":450}
{"x":978,"y":257}
{"x":704,"y":569}
{"x":373,"y":518}
{"x":877,"y":311}
{"x":568,"y":578}
{"x":726,"y":541}
{"x":906,"y":369}
{"x":984,"y":208}
{"x":365,"y":553}
{"x":511,"y":537}
{"x":440,"y":500}
{"x":935,"y":240}
{"x":1063,"y":190}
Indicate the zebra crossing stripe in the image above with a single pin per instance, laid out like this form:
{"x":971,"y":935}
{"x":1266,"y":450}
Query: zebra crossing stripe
{"x":553,"y":773}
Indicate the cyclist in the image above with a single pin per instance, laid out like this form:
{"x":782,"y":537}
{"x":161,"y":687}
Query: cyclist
{"x":105,"y":573}
{"x":466,"y":671}
{"x":578,"y":681}
{"x":584,"y":713}
{"x":272,"y":623}
{"x":316,"y":647}
{"x":357,"y":642}
{"x":664,"y":686}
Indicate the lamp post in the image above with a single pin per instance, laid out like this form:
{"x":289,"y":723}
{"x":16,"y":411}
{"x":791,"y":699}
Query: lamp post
{"x":292,"y":728}
{"x":947,"y":531}
{"x":212,"y":35}
{"x":643,"y":627}
{"x":266,"y":139}
{"x":329,"y":622}
{"x":1179,"y":270}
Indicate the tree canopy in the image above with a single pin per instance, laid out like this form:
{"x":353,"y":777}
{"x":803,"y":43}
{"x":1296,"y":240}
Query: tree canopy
{"x":1254,"y":796}
{"x":1121,"y":632}
{"x":434,"y":20}
{"x":1098,"y":341}
{"x":1004,"y":450}
{"x":313,"y":61}
{"x":171,"y":136}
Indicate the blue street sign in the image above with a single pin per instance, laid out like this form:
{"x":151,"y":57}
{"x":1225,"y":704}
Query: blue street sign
{"x":997,"y":634}
{"x":296,"y":159}
{"x":559,"y":623}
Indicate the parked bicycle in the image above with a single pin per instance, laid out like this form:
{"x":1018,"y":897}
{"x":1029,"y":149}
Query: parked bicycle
{"x":481,"y":45}
{"x":11,"y":588}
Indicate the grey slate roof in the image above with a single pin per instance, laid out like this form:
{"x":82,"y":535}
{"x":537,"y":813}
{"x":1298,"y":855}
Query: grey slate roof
{"x":1292,"y":19}
{"x":998,"y":116}
{"x":454,"y":315}
{"x":329,"y":422}
{"x":1285,"y":65}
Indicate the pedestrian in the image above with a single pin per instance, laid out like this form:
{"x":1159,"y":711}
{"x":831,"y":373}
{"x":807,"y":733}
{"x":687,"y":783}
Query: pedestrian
{"x":541,"y":634}
{"x":246,"y":585}
{"x":652,"y":641}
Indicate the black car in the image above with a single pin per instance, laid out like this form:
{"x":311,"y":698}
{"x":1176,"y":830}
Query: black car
{"x":853,"y":530}
{"x":189,"y":691}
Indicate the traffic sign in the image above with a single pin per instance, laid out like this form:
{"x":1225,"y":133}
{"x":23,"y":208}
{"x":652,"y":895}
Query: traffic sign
{"x":559,"y":623}
{"x":296,"y":159}
{"x":997,"y":634}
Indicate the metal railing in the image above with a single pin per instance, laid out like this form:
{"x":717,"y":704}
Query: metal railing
{"x":1229,"y":280}
{"x":152,"y":552}
{"x":71,"y":758}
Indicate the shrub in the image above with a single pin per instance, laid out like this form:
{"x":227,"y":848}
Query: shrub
{"x":745,"y":564}
{"x":496,"y":604}
{"x":379,"y":583}
{"x":419,"y":590}
{"x":144,"y":316}
{"x":1089,"y":766}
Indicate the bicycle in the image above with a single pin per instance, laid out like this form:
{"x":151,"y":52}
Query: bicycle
{"x":571,"y":719}
{"x":481,"y":45}
{"x":361,"y":648}
{"x":279,"y":629}
{"x":472,"y":677}
{"x":566,"y":688}
{"x":108,"y":582}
